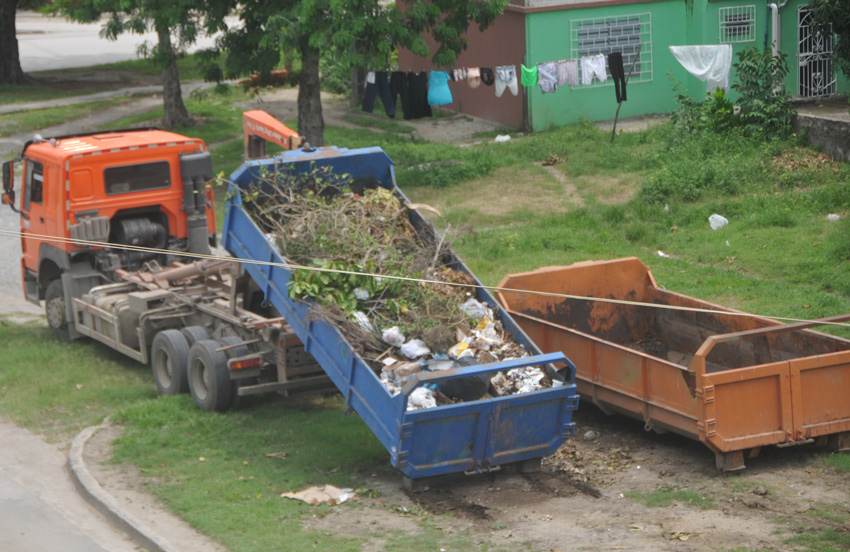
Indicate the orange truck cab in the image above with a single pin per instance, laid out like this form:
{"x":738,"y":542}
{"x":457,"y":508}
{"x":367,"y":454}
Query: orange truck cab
{"x":87,"y":200}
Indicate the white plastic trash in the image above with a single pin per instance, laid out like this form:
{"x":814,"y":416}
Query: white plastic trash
{"x":717,"y":221}
{"x":363,"y":321}
{"x":415,"y":348}
{"x":421,"y":398}
{"x":663,"y":254}
{"x":833,"y":218}
{"x":502,"y":138}
{"x":393,"y":336}
{"x":474,"y":309}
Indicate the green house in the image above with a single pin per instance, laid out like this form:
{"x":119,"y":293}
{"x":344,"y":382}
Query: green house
{"x":538,"y":31}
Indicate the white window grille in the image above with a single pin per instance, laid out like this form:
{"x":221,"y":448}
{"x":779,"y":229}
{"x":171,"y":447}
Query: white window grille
{"x":737,"y":24}
{"x":630,"y":35}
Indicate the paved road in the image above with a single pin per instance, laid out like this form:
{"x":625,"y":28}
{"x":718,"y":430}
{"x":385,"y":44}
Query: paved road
{"x":53,"y":43}
{"x":40,"y":510}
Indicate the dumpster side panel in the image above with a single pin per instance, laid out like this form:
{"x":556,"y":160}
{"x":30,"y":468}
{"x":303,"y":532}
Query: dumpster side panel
{"x":483,"y":434}
{"x":821,"y":391}
{"x":748,"y":407}
{"x":617,"y":379}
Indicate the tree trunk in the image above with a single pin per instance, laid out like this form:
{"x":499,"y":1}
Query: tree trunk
{"x":10,"y":61}
{"x":172,"y":98}
{"x":311,"y":125}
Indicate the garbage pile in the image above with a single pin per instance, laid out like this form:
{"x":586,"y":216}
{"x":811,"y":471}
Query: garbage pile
{"x":428,"y":321}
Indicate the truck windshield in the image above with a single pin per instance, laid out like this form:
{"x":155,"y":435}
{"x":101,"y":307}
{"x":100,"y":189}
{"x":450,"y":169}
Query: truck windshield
{"x":136,"y":178}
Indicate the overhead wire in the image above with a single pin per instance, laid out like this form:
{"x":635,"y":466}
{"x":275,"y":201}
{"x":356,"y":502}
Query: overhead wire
{"x":295,"y":266}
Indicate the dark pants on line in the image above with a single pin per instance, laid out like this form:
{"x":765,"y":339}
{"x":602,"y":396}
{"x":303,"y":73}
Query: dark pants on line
{"x":615,"y":65}
{"x":399,"y":90}
{"x":380,"y":87}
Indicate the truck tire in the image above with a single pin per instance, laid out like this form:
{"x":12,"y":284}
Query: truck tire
{"x":209,"y":377}
{"x":235,"y":352}
{"x":193,"y":334}
{"x":169,"y":358}
{"x":55,"y":310}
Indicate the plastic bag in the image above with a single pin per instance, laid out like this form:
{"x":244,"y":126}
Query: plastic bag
{"x":393,"y":336}
{"x":717,"y":221}
{"x":474,"y":309}
{"x":415,"y":348}
{"x":421,"y":398}
{"x":363,"y":321}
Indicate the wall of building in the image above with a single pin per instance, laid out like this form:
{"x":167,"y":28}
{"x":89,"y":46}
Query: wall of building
{"x":503,"y":43}
{"x":552,"y":36}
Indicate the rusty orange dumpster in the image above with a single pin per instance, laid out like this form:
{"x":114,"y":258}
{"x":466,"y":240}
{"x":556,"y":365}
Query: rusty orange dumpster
{"x":736,"y":382}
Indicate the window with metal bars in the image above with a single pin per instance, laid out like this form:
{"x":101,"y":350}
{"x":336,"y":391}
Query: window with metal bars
{"x":737,"y":24}
{"x":630,"y":35}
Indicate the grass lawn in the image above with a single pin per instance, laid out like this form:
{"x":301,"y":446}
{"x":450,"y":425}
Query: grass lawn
{"x":647,"y":192}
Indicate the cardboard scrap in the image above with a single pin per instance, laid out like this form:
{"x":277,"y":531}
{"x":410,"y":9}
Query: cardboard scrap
{"x":326,"y":494}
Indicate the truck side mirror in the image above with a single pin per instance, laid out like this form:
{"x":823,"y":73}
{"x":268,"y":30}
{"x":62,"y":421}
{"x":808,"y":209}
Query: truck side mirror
{"x":8,"y":184}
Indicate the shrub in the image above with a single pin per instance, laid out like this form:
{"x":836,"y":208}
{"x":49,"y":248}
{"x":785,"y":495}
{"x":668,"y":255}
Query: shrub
{"x":765,"y":107}
{"x":716,"y":113}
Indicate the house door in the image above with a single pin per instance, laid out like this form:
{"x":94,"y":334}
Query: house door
{"x":814,"y":58}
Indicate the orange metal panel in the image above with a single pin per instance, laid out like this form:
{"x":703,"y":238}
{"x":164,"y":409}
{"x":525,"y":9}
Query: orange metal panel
{"x":820,"y":387}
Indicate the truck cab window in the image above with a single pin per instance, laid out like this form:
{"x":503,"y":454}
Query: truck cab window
{"x":33,"y":184}
{"x":136,"y":178}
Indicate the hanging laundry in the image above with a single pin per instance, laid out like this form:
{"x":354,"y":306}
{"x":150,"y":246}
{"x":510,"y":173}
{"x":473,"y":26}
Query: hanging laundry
{"x":399,"y":89}
{"x":378,"y":85}
{"x":529,"y":75}
{"x":438,"y":88}
{"x":506,"y":78}
{"x":615,"y":65}
{"x":487,"y":76}
{"x":459,"y":74}
{"x":567,"y":72}
{"x":546,"y":76}
{"x":593,"y":66}
{"x":708,"y":63}
{"x":418,"y":86}
{"x":473,"y":77}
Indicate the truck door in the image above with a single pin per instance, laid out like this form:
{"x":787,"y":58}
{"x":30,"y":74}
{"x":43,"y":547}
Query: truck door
{"x":32,"y":212}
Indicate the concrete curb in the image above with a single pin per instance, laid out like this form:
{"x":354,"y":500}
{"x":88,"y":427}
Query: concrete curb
{"x":103,"y":502}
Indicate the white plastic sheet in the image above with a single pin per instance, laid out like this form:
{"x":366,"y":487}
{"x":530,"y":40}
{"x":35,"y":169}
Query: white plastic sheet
{"x":708,"y":63}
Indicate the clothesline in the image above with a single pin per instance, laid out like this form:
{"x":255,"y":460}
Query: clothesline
{"x":419,"y":91}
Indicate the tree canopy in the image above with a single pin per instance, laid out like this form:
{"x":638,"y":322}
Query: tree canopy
{"x":183,"y":20}
{"x":367,"y":30}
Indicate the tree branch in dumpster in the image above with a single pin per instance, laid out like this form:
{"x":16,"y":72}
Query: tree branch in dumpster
{"x":400,"y":328}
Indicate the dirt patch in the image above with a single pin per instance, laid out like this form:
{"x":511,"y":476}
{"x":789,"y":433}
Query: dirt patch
{"x":588,"y":496}
{"x":610,"y":190}
{"x":74,"y":79}
{"x":500,"y":194}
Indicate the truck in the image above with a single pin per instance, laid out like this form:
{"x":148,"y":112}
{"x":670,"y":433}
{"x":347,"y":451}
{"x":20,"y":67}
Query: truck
{"x":734,"y":381}
{"x":116,"y":230}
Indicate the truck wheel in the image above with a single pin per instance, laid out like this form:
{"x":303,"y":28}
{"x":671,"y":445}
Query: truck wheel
{"x":169,"y":358}
{"x":193,"y":334}
{"x":55,"y":309}
{"x":236,"y":352}
{"x":209,"y":377}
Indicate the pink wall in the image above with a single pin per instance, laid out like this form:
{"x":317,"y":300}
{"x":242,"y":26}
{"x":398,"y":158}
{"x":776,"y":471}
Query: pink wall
{"x":503,"y":43}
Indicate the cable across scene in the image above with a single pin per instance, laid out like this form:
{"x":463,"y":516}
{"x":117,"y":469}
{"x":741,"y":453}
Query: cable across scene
{"x":293,"y":266}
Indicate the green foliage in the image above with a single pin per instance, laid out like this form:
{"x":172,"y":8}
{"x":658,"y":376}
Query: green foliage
{"x":715,"y":114}
{"x":693,"y":166}
{"x":665,"y":495}
{"x":766,"y":111}
{"x":336,"y":72}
